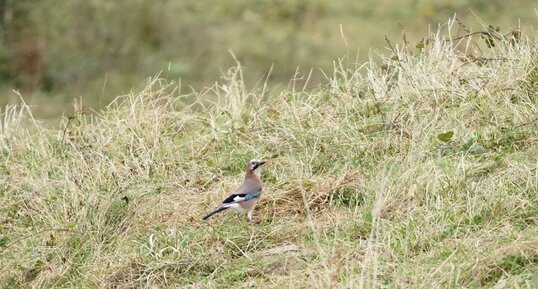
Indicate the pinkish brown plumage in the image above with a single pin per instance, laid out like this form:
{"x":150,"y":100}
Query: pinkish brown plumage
{"x":245,"y":198}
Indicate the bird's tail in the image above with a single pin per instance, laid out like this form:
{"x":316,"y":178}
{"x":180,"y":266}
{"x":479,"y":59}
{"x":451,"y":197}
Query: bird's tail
{"x":217,"y":210}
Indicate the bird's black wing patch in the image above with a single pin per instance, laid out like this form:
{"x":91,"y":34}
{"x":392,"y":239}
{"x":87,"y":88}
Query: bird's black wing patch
{"x":231,"y":198}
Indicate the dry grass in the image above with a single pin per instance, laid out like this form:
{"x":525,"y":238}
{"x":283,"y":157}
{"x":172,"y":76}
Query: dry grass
{"x":359,"y":183}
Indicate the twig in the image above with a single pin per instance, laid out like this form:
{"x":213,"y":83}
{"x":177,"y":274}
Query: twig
{"x":474,"y":33}
{"x":64,"y":131}
{"x":526,"y":123}
{"x":478,"y":59}
{"x":37,"y":233}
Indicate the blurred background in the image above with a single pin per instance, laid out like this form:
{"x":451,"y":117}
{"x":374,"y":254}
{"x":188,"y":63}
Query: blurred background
{"x":53,"y":52}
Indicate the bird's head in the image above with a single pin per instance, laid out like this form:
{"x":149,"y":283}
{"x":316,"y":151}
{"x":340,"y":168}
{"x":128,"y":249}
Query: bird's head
{"x":255,"y":166}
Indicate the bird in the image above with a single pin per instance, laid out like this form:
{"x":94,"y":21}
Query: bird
{"x":244,"y":199}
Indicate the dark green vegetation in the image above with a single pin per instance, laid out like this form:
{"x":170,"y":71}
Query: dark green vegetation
{"x":54,"y":51}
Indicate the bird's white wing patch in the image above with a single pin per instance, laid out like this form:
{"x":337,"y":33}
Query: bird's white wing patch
{"x":238,"y":199}
{"x":236,"y":207}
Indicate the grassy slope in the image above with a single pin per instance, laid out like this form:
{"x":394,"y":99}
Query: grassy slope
{"x":360,"y":191}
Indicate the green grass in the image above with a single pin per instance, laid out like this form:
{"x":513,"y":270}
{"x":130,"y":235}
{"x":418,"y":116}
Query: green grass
{"x":415,"y":170}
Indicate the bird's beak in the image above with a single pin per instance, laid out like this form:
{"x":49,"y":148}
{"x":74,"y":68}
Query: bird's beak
{"x":261,"y":163}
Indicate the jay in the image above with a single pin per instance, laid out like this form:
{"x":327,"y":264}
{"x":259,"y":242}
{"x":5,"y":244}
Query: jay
{"x":244,"y":199}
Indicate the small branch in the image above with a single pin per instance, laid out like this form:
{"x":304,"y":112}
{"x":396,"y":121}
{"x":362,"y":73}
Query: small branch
{"x":526,"y":123}
{"x":393,"y":50}
{"x":64,"y":131}
{"x":35,"y":234}
{"x":474,"y":33}
{"x":480,"y":59}
{"x":398,"y":128}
